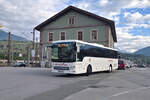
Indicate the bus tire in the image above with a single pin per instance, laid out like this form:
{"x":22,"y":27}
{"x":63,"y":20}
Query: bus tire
{"x":110,"y":69}
{"x":89,"y":70}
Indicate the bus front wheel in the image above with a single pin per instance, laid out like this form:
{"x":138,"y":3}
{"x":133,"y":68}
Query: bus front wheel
{"x":89,"y":70}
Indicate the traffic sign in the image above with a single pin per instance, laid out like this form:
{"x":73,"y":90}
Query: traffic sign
{"x":33,"y":53}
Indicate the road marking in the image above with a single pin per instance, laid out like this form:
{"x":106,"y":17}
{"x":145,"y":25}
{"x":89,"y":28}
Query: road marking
{"x":126,"y":92}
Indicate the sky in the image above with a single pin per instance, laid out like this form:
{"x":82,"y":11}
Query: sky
{"x":132,"y":17}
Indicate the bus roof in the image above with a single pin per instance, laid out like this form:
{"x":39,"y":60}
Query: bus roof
{"x":78,"y":41}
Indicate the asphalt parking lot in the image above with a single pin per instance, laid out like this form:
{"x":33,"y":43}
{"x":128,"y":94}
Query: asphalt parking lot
{"x":41,"y":84}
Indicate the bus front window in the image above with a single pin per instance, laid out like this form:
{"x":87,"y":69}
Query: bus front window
{"x":64,"y":52}
{"x":55,"y":53}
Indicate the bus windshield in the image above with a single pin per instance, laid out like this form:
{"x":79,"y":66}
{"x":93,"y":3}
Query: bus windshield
{"x":64,"y":52}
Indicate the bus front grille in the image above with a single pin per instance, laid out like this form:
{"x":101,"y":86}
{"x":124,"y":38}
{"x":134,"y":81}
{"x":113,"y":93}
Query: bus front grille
{"x":61,"y":68}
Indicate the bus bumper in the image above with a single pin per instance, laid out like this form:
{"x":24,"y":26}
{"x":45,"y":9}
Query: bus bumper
{"x":64,"y":71}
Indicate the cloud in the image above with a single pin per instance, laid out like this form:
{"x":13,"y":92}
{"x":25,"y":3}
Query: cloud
{"x":130,"y":43}
{"x":110,"y":8}
{"x":21,"y":16}
{"x":138,"y":4}
{"x":136,"y":20}
{"x":103,"y":2}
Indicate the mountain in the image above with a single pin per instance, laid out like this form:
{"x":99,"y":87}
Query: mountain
{"x":136,"y":58}
{"x":145,"y":51}
{"x":4,"y":36}
{"x":122,"y":51}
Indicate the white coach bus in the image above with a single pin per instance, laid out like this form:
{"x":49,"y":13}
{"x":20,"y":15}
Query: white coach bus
{"x":76,"y":57}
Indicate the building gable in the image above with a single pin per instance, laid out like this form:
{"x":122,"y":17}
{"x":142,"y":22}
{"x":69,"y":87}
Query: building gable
{"x":80,"y":20}
{"x":62,"y":18}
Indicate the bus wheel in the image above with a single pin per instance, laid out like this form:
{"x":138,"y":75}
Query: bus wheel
{"x":110,"y":69}
{"x":89,"y":70}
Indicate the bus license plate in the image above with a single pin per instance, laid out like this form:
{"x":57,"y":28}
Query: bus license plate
{"x":60,"y":71}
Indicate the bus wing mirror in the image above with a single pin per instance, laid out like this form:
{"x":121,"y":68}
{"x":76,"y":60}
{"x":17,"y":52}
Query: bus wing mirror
{"x":50,"y":46}
{"x":78,"y":49}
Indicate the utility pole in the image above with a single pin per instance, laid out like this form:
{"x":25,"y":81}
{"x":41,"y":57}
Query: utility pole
{"x":36,"y":49}
{"x":28,"y":55}
{"x":33,"y":50}
{"x":9,"y":49}
{"x":33,"y":38}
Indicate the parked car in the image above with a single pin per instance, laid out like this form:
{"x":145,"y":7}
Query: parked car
{"x":121,"y":64}
{"x":20,"y":64}
{"x":141,"y":66}
{"x":128,"y":64}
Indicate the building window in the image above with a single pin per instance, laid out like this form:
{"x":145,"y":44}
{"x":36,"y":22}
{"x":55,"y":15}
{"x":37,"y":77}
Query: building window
{"x":80,"y":35}
{"x":94,"y":35}
{"x":50,"y":36}
{"x":62,"y":35}
{"x":72,"y":20}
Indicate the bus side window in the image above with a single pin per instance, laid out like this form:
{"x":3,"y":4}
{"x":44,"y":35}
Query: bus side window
{"x":81,"y":54}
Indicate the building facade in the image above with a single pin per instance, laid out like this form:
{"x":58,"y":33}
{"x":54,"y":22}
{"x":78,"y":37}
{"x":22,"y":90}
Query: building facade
{"x":75,"y":24}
